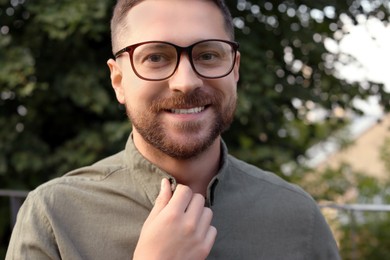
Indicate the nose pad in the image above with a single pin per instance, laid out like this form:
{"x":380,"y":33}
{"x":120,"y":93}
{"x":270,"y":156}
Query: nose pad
{"x":185,"y":79}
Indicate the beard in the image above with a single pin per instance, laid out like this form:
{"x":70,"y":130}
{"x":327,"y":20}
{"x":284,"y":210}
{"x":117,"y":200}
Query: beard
{"x":154,"y":132}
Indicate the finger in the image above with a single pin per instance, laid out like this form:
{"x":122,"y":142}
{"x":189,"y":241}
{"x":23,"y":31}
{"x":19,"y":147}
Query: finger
{"x":162,"y":199}
{"x":210,"y":239}
{"x":181,"y":198}
{"x":205,"y":221}
{"x":195,"y":208}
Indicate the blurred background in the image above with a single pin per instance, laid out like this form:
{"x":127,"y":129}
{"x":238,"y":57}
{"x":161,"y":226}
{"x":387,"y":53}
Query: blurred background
{"x":314,"y":102}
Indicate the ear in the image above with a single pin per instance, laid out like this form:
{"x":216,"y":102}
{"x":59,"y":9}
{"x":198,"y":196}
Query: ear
{"x":236,"y":69}
{"x":116,"y":80}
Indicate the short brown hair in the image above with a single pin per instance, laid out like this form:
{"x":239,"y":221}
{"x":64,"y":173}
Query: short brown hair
{"x":122,"y":7}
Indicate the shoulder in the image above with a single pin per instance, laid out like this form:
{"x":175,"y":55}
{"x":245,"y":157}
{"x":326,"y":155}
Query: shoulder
{"x":266,"y":192}
{"x":272,"y":206}
{"x":264,"y":180}
{"x":101,"y":169}
{"x":84,"y":178}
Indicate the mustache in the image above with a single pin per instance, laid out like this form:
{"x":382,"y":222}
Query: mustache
{"x":187,"y":100}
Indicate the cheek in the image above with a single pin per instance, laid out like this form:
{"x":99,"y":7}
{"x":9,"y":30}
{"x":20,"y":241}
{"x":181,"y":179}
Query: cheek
{"x":229,"y":88}
{"x":139,"y":94}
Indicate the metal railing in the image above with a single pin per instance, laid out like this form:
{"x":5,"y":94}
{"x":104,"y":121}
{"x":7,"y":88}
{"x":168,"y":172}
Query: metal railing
{"x":16,"y":199}
{"x":353,"y":210}
{"x":358,"y":207}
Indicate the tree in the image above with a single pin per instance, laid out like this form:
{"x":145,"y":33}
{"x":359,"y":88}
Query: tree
{"x":58,"y":111}
{"x":287,"y":72}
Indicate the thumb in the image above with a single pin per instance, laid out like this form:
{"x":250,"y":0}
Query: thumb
{"x":163,"y":198}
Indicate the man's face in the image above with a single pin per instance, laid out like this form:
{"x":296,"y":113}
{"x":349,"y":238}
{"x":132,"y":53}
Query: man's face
{"x":184,"y":114}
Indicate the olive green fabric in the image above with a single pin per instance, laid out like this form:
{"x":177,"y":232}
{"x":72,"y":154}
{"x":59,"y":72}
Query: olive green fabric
{"x":97,"y":212}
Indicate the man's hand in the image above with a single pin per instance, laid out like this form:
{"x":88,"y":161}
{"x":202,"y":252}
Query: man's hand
{"x":178,"y":227}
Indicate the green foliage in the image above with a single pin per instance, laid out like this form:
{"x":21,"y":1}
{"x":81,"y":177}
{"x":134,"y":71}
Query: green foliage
{"x":366,"y":235}
{"x":55,"y":90}
{"x":368,"y":239}
{"x":286,"y":72}
{"x":58,"y":112}
{"x":362,"y":235}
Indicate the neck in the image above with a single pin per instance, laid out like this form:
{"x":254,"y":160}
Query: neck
{"x":195,"y":172}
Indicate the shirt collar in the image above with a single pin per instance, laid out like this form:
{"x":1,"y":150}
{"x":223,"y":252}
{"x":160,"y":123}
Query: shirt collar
{"x":149,"y":175}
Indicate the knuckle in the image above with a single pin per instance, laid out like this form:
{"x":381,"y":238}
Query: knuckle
{"x":199,"y":198}
{"x":207,"y":213}
{"x":203,"y":251}
{"x":172,"y":217}
{"x":185,"y":189}
{"x":213,"y":231}
{"x":189,"y":228}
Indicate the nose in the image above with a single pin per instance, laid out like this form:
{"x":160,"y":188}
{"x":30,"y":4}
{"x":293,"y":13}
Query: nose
{"x":185,"y":78}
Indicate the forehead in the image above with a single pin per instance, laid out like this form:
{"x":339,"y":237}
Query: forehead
{"x":178,"y":21}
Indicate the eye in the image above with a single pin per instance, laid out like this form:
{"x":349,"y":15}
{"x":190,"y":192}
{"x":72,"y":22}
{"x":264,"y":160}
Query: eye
{"x":207,"y":56}
{"x":155,"y":58}
{"x":154,"y":55}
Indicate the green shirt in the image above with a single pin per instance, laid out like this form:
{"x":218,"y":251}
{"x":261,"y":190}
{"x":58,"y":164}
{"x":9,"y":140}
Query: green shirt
{"x":97,"y":212}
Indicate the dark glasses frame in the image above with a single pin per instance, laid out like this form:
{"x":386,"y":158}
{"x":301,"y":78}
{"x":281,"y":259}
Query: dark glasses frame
{"x":188,"y":50}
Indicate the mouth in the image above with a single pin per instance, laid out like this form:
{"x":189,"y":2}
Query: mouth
{"x":194,"y":110}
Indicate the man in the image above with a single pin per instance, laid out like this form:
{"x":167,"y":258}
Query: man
{"x":174,"y":192}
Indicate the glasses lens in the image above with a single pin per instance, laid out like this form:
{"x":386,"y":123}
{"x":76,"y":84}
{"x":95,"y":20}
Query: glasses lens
{"x":213,"y":59}
{"x":155,"y":61}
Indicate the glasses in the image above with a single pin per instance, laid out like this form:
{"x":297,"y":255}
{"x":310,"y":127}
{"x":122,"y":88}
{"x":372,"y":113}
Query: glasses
{"x":158,"y":60}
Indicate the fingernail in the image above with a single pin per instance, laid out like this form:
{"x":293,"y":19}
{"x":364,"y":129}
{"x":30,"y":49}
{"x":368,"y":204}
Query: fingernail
{"x":162,"y":184}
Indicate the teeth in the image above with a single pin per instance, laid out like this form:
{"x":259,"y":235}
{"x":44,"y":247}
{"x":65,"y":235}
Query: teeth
{"x":188,"y":111}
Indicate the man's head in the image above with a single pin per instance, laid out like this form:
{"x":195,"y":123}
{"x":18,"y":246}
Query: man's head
{"x":122,"y":7}
{"x":178,"y":75}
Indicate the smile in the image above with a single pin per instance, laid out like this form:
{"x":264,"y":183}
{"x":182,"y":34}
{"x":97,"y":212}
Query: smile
{"x":194,"y":110}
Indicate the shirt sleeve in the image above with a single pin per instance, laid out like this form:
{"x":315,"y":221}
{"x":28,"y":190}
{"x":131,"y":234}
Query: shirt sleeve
{"x":32,"y":236}
{"x":323,"y":244}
